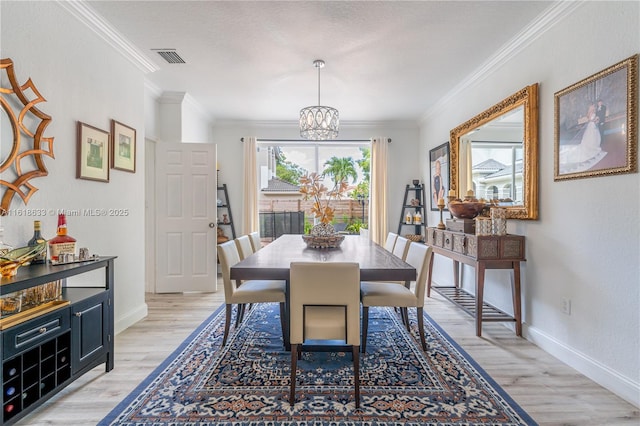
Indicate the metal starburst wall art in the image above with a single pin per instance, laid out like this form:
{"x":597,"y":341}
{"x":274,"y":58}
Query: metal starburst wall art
{"x":24,"y":160}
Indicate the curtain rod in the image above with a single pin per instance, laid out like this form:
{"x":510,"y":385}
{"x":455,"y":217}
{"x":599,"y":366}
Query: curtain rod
{"x":306,"y":140}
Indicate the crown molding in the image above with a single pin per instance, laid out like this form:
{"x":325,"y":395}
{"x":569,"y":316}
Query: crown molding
{"x":152,"y":89}
{"x":344,"y":124}
{"x":550,"y":17}
{"x":90,"y":18}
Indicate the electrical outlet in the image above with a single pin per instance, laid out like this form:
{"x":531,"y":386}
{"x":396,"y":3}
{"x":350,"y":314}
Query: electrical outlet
{"x":566,"y":306}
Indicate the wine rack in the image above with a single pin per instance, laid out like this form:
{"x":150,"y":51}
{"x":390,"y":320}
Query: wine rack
{"x":28,"y":377}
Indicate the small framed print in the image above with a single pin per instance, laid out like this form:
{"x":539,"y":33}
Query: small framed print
{"x":93,"y":153}
{"x":439,"y":174}
{"x":123,"y":149}
{"x":595,"y":124}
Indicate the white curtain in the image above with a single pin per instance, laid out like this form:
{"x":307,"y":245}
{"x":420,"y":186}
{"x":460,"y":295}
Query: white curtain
{"x":378,"y":191}
{"x":250,"y":217}
{"x":465,"y":173}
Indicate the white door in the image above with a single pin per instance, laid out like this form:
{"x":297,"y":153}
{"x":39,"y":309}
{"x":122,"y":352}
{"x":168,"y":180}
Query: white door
{"x":186,"y":217}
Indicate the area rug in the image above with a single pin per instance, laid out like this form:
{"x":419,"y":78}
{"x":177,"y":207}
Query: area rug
{"x":247,"y":381}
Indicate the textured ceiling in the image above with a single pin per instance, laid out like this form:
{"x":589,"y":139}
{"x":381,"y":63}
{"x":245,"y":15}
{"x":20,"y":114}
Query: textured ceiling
{"x":385,"y":60}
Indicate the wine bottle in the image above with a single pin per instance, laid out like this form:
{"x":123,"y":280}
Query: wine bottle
{"x":35,"y":240}
{"x":62,"y":242}
{"x":10,"y":391}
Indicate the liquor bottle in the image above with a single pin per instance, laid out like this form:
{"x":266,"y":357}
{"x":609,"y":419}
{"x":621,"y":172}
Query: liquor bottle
{"x":35,"y":240}
{"x":61,"y":243}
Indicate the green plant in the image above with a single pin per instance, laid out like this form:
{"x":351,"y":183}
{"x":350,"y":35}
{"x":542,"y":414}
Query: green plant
{"x":355,"y":226}
{"x":307,"y":225}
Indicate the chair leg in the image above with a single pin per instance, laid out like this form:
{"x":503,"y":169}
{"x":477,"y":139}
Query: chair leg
{"x":294,"y":366}
{"x":356,"y":373}
{"x":421,"y":328}
{"x":282,"y":325}
{"x":227,"y":320}
{"x":365,"y":327}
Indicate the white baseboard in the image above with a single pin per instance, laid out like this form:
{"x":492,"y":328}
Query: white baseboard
{"x":622,"y":386}
{"x":131,"y":318}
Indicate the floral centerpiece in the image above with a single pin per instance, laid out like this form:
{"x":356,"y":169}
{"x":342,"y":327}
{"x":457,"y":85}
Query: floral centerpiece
{"x":322,"y":235}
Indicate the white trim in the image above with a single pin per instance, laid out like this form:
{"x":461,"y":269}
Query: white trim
{"x":131,"y":318}
{"x":622,"y":386}
{"x":544,"y":22}
{"x":152,"y":89}
{"x":81,"y":10}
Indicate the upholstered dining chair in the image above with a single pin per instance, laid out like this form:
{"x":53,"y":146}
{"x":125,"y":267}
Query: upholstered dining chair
{"x":390,"y":242}
{"x":394,"y":295}
{"x":255,"y":241}
{"x":251,"y":291}
{"x":324,"y":305}
{"x":401,"y":247}
{"x":245,"y":249}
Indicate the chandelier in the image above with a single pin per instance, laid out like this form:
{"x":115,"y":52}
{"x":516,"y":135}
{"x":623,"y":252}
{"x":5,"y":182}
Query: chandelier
{"x":319,"y":122}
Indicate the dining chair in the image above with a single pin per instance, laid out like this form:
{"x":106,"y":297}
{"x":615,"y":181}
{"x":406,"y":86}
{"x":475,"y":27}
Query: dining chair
{"x":245,"y":249}
{"x":401,"y":247}
{"x":255,"y":241}
{"x":394,"y":295}
{"x":324,"y":305}
{"x":390,"y":242}
{"x":250,"y":291}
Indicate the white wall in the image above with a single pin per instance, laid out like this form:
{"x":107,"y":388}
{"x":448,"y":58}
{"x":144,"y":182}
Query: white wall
{"x":585,"y":246}
{"x":404,"y":164}
{"x":85,"y":80}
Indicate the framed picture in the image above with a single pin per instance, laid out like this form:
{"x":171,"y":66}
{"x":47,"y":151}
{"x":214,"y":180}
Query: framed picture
{"x":93,"y":153}
{"x":439,"y":175}
{"x":123,"y":149}
{"x":595,"y":124}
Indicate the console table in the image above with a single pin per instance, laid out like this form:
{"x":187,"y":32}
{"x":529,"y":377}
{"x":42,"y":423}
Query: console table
{"x":481,"y":252}
{"x":52,"y":345}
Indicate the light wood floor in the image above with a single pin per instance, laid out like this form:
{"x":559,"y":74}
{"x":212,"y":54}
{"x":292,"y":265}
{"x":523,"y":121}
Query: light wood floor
{"x":551,"y":392}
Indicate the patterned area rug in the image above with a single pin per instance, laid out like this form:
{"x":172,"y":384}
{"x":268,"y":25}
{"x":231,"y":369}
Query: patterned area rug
{"x":247,"y":381}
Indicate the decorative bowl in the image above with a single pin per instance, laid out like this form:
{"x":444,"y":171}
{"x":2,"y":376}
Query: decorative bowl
{"x":10,"y":262}
{"x":323,"y":241}
{"x":465,"y":210}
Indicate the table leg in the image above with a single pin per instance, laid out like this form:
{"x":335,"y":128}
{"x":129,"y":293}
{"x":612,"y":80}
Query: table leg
{"x":517,"y":303}
{"x":456,"y":273}
{"x":480,"y":268}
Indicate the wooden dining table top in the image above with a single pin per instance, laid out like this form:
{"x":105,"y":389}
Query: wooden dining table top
{"x":273,"y":261}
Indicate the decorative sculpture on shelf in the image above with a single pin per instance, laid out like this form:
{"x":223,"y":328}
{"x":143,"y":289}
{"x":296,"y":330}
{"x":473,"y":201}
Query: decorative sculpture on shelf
{"x":28,"y":124}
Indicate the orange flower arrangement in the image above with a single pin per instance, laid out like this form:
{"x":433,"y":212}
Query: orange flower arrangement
{"x":311,"y":187}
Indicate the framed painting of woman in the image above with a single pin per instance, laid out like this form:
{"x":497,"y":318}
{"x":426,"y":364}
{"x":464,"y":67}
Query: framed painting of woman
{"x":595,"y":124}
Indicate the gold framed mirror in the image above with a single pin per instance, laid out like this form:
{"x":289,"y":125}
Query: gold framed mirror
{"x":495,"y":154}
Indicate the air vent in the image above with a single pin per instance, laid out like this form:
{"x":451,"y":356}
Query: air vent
{"x":170,"y":55}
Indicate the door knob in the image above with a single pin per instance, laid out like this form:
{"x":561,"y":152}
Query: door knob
{"x":212,"y":225}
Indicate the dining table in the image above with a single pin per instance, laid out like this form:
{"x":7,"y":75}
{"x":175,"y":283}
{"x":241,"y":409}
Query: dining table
{"x":273,"y":262}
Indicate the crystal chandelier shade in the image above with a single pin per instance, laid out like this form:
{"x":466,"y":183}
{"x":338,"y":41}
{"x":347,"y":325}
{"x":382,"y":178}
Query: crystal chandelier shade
{"x":319,"y":122}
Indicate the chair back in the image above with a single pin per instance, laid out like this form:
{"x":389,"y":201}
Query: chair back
{"x":255,"y":241}
{"x":390,"y":242}
{"x":228,"y":256}
{"x":325,"y":302}
{"x":401,"y":247}
{"x":245,"y":249}
{"x":419,"y":256}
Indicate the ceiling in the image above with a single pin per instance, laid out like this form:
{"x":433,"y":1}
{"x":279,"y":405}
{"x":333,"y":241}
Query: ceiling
{"x":253,"y":60}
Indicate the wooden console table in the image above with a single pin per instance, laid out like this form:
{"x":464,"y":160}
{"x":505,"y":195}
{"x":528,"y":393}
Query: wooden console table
{"x":481,"y":252}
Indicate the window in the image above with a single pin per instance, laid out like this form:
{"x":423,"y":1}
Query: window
{"x":281,"y":164}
